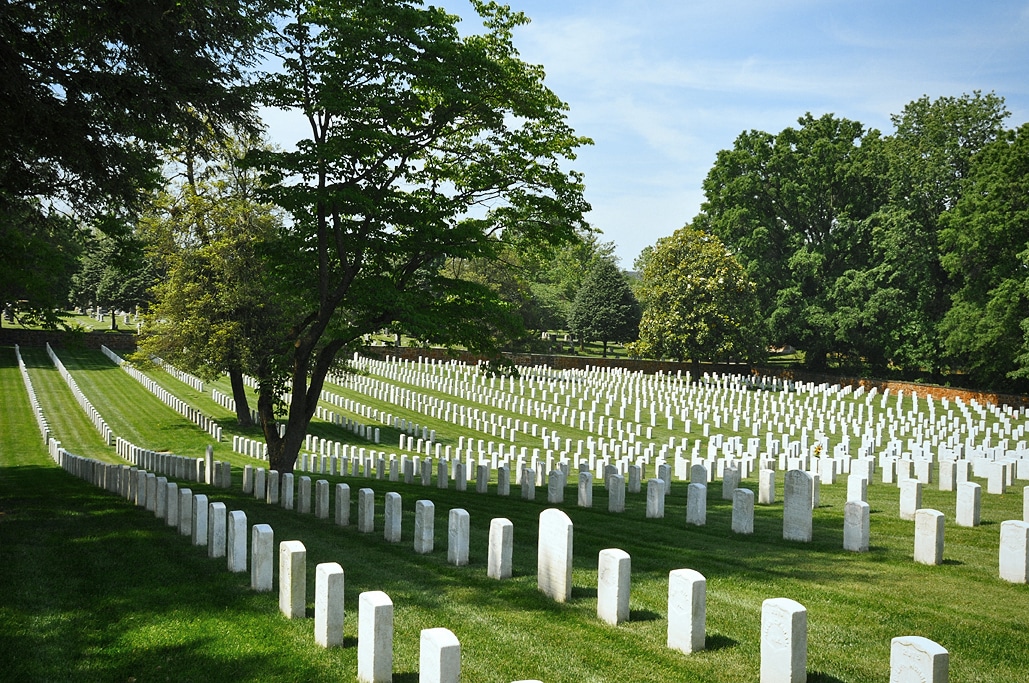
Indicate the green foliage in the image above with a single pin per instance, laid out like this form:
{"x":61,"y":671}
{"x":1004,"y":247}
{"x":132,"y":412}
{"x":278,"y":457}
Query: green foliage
{"x":87,"y":91}
{"x":792,"y":208}
{"x":986,"y":240}
{"x":114,"y":274}
{"x":39,"y":256}
{"x":605,"y":308}
{"x":824,"y":218}
{"x":413,"y":129}
{"x":698,"y":303}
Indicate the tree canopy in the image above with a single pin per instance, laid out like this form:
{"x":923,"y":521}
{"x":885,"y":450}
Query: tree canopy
{"x":605,"y":308}
{"x":986,"y":241}
{"x":87,"y":93}
{"x":840,"y":227}
{"x":698,"y":303}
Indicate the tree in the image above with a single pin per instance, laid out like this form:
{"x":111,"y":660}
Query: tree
{"x":87,"y":92}
{"x":605,"y":308}
{"x":985,"y":238}
{"x":698,"y":302}
{"x":414,"y":132}
{"x":925,"y":165}
{"x":215,"y":311}
{"x":793,"y":208}
{"x":39,"y":256}
{"x":115,"y":274}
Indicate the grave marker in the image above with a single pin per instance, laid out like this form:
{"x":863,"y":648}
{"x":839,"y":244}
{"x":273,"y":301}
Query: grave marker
{"x":501,"y":548}
{"x":293,"y":579}
{"x":328,"y":604}
{"x":914,"y":659}
{"x":797,"y":503}
{"x":374,"y":638}
{"x":743,"y":511}
{"x":783,"y":641}
{"x":969,"y":504}
{"x":856,"y":526}
{"x":1014,"y":551}
{"x":458,"y":530}
{"x":554,"y":557}
{"x":439,"y":659}
{"x":928,"y":536}
{"x":216,"y":530}
{"x":424,"y":526}
{"x":613,"y":583}
{"x":262,"y":557}
{"x":687,"y":610}
{"x":236,"y":541}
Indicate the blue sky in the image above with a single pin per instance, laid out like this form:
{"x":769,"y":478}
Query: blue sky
{"x":662,"y":85}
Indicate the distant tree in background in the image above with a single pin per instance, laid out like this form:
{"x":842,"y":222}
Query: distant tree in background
{"x":115,"y":274}
{"x":792,"y":208}
{"x":698,"y":303}
{"x":605,"y":308}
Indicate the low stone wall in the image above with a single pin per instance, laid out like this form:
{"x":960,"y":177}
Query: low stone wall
{"x":119,"y":341}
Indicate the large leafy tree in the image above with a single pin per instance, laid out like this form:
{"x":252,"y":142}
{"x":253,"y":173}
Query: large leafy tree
{"x":214,"y":311}
{"x":899,"y":297}
{"x":986,"y":250}
{"x":698,"y":302}
{"x":605,"y":308}
{"x":423,"y":146}
{"x":87,"y":92}
{"x":793,"y":208}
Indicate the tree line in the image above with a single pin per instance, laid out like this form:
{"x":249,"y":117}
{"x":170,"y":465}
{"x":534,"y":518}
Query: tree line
{"x":903,"y":252}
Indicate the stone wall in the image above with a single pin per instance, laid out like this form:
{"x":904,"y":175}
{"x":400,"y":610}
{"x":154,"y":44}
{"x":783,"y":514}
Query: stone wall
{"x":120,"y":341}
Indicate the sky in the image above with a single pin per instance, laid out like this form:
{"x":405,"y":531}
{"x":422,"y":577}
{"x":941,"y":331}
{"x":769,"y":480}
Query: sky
{"x":662,"y":85}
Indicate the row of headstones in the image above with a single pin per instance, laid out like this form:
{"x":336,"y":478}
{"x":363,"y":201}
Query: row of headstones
{"x":801,"y":497}
{"x":205,"y":422}
{"x":181,"y":375}
{"x":229,"y":403}
{"x":37,"y":409}
{"x":969,"y":501}
{"x":364,"y":431}
{"x":93,"y":414}
{"x":201,"y":470}
{"x":224,"y":533}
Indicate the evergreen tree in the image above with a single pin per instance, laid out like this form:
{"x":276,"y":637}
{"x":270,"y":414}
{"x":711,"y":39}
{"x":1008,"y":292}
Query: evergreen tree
{"x":605,"y":308}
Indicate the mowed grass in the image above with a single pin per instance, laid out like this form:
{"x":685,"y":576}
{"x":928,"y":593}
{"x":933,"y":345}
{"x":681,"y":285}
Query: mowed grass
{"x":96,"y":589}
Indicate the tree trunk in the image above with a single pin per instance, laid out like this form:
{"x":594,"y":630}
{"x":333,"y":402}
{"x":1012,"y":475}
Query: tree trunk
{"x":284,"y":450}
{"x":239,"y":395}
{"x":605,"y":349}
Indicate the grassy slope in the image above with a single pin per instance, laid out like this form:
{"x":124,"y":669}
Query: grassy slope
{"x":135,"y":599}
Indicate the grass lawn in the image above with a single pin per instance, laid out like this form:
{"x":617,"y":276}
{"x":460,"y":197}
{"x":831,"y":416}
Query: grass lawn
{"x":97,"y":589}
